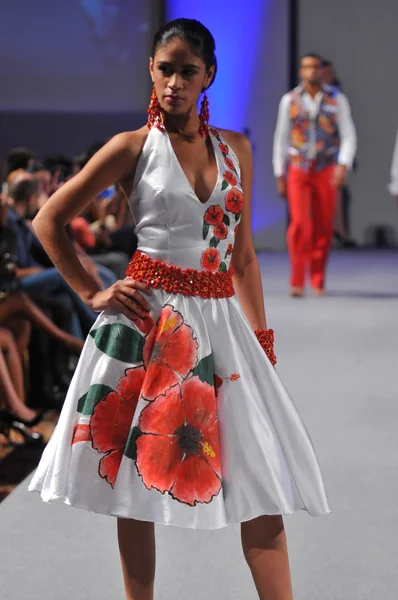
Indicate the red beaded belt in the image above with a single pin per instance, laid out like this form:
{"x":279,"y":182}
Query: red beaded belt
{"x":189,"y":282}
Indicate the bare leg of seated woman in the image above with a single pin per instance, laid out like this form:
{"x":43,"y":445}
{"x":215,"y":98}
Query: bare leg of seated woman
{"x":11,"y":378}
{"x":21,"y":330}
{"x":20,"y":304}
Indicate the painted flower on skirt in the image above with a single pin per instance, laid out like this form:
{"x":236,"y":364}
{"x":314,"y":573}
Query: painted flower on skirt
{"x":234,"y":201}
{"x":179,"y":449}
{"x":221,"y":231}
{"x":229,"y":163}
{"x":170,"y":353}
{"x":111,"y":422}
{"x":230,"y":177}
{"x":224,"y":148}
{"x":81,"y":433}
{"x":214,"y":215}
{"x":210,"y":259}
{"x":144,"y":325}
{"x":218,"y":381}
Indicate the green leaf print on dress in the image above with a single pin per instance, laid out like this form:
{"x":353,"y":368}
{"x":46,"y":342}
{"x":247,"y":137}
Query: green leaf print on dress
{"x":119,"y":341}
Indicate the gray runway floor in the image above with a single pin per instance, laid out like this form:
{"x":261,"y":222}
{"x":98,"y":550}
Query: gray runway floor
{"x":338,"y":356}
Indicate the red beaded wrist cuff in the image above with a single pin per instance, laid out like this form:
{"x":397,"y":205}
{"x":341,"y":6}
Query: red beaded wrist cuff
{"x":266,"y":339}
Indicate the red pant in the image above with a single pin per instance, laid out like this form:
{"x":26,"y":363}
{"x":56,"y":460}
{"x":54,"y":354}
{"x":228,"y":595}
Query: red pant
{"x":311,"y":199}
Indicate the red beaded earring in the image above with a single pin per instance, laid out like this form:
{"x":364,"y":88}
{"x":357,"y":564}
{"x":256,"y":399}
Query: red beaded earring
{"x":204,"y":117}
{"x":155,"y":114}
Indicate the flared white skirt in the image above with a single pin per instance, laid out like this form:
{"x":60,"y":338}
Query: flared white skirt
{"x":180,"y":419}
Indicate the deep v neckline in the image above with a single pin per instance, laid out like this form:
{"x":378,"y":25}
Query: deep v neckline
{"x":185,"y":176}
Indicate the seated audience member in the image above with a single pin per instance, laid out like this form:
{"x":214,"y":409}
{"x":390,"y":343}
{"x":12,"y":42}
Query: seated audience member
{"x":97,"y":243}
{"x":49,"y":362}
{"x":20,"y":158}
{"x":33,"y":277}
{"x":45,"y":183}
{"x":12,"y":397}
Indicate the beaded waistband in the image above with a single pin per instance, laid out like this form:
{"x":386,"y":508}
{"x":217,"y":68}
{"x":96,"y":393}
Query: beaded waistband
{"x":189,"y":282}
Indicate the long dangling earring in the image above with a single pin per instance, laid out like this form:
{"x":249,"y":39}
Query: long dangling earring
{"x":204,"y":117}
{"x":155,"y":114}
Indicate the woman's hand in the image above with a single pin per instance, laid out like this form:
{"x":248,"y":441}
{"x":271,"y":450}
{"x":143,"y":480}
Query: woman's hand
{"x":126,"y":297}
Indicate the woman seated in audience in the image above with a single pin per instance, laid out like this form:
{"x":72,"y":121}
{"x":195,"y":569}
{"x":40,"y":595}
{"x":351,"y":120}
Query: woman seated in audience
{"x":12,"y":396}
{"x":18,"y":304}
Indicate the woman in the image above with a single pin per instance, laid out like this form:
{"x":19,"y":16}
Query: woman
{"x":15,"y":305}
{"x":175,"y":414}
{"x":12,"y":405}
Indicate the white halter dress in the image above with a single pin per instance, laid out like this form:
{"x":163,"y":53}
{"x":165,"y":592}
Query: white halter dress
{"x":180,"y":418}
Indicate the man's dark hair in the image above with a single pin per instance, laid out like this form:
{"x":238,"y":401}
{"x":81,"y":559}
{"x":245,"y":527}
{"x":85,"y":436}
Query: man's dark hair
{"x":311,"y":55}
{"x":58,"y":162}
{"x":21,"y":191}
{"x":19,"y":158}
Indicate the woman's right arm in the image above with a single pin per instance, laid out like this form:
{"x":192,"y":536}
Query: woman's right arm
{"x":111,"y":163}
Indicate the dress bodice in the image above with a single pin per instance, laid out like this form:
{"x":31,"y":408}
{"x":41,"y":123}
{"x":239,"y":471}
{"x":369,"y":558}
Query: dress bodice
{"x":172,"y":224}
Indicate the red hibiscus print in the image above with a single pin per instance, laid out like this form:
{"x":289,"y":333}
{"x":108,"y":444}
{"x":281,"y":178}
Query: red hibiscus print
{"x":210,"y":259}
{"x":170,"y":353}
{"x":221,"y":231}
{"x":230,"y":177}
{"x":179,"y":449}
{"x":144,"y":325}
{"x":224,"y":149}
{"x":236,"y":229}
{"x":234,"y":201}
{"x":81,"y":433}
{"x":111,"y":422}
{"x":217,"y":383}
{"x":229,"y":163}
{"x":214,"y":215}
{"x":214,"y":132}
{"x":229,"y":250}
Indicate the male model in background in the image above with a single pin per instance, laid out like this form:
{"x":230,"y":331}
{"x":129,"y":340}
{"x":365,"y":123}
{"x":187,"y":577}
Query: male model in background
{"x":314,"y":148}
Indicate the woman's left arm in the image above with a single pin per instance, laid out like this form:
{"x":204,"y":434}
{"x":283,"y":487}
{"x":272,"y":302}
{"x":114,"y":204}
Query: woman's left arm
{"x":247,"y":277}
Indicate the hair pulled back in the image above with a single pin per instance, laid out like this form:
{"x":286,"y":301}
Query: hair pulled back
{"x":195,"y":34}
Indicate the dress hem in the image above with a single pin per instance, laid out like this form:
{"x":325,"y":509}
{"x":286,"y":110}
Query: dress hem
{"x":174,"y":524}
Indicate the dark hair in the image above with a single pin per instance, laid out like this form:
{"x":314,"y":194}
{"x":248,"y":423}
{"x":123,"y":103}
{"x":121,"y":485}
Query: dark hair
{"x":311,"y":55}
{"x":58,"y":162}
{"x":195,"y":33}
{"x":327,"y":63}
{"x":19,"y":158}
{"x":21,"y":191}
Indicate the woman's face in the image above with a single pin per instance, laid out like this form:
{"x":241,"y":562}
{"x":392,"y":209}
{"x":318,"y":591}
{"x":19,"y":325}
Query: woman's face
{"x":179,"y":76}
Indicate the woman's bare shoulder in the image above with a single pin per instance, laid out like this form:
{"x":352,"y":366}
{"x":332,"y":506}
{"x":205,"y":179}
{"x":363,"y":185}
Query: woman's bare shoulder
{"x":129,"y":142}
{"x":121,"y":153}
